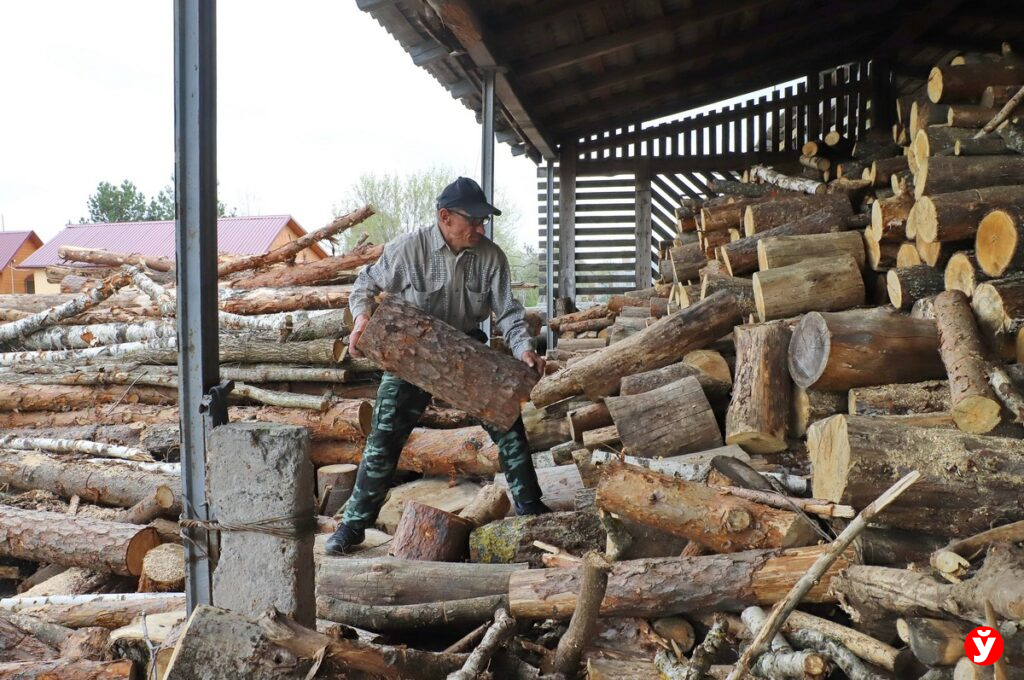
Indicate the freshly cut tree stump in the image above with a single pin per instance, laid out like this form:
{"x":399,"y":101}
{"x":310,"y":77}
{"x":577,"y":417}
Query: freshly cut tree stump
{"x":511,"y":540}
{"x":780,"y":251}
{"x":656,"y":587}
{"x":163,"y":570}
{"x":590,"y":417}
{"x":741,"y":256}
{"x":999,"y":308}
{"x":75,"y":541}
{"x":809,"y":406}
{"x":955,"y":216}
{"x":837,"y":351}
{"x":963,"y":273}
{"x":660,"y":344}
{"x":931,"y":396}
{"x":822,"y":284}
{"x":68,"y":669}
{"x":334,"y":486}
{"x":943,"y":174}
{"x":907,"y":285}
{"x":975,"y":406}
{"x":444,"y":361}
{"x":426,"y":533}
{"x":759,"y":410}
{"x":766,"y":215}
{"x":967,"y":82}
{"x":719,"y":522}
{"x":1000,"y":242}
{"x":672,"y":419}
{"x":855,"y":456}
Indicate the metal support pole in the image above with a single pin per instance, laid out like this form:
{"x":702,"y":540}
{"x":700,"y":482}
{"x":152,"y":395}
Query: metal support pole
{"x":549,"y":281}
{"x":487,"y":157}
{"x":195,"y":172}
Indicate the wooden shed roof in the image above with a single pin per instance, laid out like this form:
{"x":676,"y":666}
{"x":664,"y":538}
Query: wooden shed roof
{"x":566,"y":69}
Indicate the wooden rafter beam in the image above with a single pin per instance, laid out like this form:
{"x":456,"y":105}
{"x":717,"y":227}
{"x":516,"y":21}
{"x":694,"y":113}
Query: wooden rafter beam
{"x":741,"y":45}
{"x":916,"y":23}
{"x":619,"y":40}
{"x":514,"y":24}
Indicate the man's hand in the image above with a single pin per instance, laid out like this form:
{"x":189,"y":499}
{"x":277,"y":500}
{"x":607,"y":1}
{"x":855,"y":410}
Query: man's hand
{"x":534,"y":361}
{"x":357,"y":331}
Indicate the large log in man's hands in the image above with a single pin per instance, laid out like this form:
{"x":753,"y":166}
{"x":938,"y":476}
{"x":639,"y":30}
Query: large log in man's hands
{"x":440,"y":283}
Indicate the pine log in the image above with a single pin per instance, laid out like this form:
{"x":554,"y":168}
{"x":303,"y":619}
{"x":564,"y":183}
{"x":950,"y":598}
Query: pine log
{"x":907,"y":285}
{"x":855,"y":456}
{"x":974,"y":405}
{"x":781,"y":251}
{"x":955,"y":216}
{"x":107,"y":611}
{"x":715,"y":387}
{"x":809,"y":406}
{"x":63,"y":398}
{"x":889,"y":218}
{"x":311,"y":273}
{"x":75,"y":541}
{"x":427,"y":533}
{"x":963,"y":273}
{"x":547,"y":427}
{"x":900,"y":399}
{"x":874,"y":145}
{"x":586,"y":325}
{"x":741,"y":256}
{"x":466,"y":451}
{"x":759,"y":410}
{"x":276,"y":300}
{"x":68,"y":581}
{"x":149,"y":508}
{"x":883,"y":169}
{"x":415,"y":617}
{"x":663,"y":342}
{"x":68,"y":669}
{"x":114,"y":259}
{"x":1000,"y":241}
{"x":837,"y":351}
{"x":882,"y":255}
{"x":590,"y":417}
{"x":686,"y":262}
{"x":512,"y":540}
{"x":719,"y":522}
{"x":102,"y":484}
{"x":491,"y":503}
{"x":967,"y":82}
{"x":767,"y":215}
{"x":999,"y":308}
{"x":446,"y":362}
{"x":391,"y":581}
{"x":724,"y":216}
{"x":997,"y":95}
{"x":822,"y":284}
{"x":597,"y":312}
{"x":163,"y":570}
{"x":669,"y":420}
{"x":968,"y":115}
{"x":742,"y":289}
{"x":938,"y":140}
{"x":674,"y":585}
{"x":944,"y":174}
{"x":990,"y":145}
{"x":18,"y":644}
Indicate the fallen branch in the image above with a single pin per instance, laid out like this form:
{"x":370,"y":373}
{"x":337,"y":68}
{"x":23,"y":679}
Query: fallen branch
{"x":494,"y":638}
{"x":584,"y":620}
{"x":848,"y":662}
{"x":1002,"y":115}
{"x":953,"y":561}
{"x":1007,"y":392}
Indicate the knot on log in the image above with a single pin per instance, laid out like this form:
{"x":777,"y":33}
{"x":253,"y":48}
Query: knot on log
{"x":737,"y":519}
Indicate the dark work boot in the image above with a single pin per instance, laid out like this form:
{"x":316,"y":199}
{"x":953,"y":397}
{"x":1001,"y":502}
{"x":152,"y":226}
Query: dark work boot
{"x":342,"y":540}
{"x":531,"y":508}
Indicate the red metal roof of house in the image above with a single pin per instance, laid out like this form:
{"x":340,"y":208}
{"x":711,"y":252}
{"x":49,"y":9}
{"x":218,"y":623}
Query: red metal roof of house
{"x":235,"y":236}
{"x":10,"y":241}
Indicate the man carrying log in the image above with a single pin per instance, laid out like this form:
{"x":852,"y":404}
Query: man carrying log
{"x":453,"y":272}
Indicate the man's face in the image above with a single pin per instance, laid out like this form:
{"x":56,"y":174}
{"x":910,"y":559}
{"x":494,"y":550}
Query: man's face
{"x":460,"y":230}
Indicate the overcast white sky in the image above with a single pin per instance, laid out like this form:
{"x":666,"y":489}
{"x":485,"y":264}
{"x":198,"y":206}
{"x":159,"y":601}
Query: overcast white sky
{"x":311,"y":93}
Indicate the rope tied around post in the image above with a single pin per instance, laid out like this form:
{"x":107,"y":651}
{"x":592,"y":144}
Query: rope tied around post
{"x":295,"y":526}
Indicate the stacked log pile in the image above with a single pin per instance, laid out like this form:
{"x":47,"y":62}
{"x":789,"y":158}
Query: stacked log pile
{"x":798,"y":454}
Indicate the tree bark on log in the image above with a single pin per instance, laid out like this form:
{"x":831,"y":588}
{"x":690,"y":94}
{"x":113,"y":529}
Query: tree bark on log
{"x":1000,"y":242}
{"x":663,"y":342}
{"x":311,"y":273}
{"x":490,"y":504}
{"x":742,"y":289}
{"x":466,"y":451}
{"x":95,"y":335}
{"x":741,"y":256}
{"x":655,"y":587}
{"x":717,"y":390}
{"x":512,"y":540}
{"x":669,"y":420}
{"x":999,"y":308}
{"x":586,"y":418}
{"x":277,"y":300}
{"x":114,"y":259}
{"x":727,"y":215}
{"x":944,"y":174}
{"x":391,"y":581}
{"x":955,"y":216}
{"x":822,"y":284}
{"x":410,"y":617}
{"x":837,"y":351}
{"x":75,"y":541}
{"x":967,"y":82}
{"x":101,"y":484}
{"x":583,"y":625}
{"x":293,"y":248}
{"x":974,"y":405}
{"x":106,"y":611}
{"x":809,"y":406}
{"x":761,"y":217}
{"x":855,"y":457}
{"x":907,"y":285}
{"x":799,"y":184}
{"x":446,"y":362}
{"x":597,"y":312}
{"x":780,"y":251}
{"x":882,"y":255}
{"x":18,"y":644}
{"x":938,"y":140}
{"x":883,"y":169}
{"x":427,"y":533}
{"x":759,"y":410}
{"x":27,"y":398}
{"x":30,"y":324}
{"x":686,"y":262}
{"x":889,"y":218}
{"x":719,"y":522}
{"x":68,"y":669}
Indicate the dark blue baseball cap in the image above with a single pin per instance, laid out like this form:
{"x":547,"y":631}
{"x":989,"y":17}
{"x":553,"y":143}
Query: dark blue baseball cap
{"x":466,"y":195}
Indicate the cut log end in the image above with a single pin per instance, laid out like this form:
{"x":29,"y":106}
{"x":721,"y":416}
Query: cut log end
{"x":144,"y":541}
{"x":976,"y":414}
{"x":809,"y":350}
{"x":960,"y":274}
{"x":757,"y":442}
{"x":997,"y":242}
{"x":830,"y":472}
{"x":935,"y":85}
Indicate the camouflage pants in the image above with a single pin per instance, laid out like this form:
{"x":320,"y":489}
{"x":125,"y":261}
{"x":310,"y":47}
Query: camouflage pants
{"x":399,"y":407}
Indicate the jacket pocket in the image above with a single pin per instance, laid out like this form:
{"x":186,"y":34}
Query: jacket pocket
{"x":479,"y":304}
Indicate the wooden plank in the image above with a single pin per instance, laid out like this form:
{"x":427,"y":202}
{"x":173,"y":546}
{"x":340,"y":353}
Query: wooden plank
{"x":643,"y":227}
{"x":567,"y":234}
